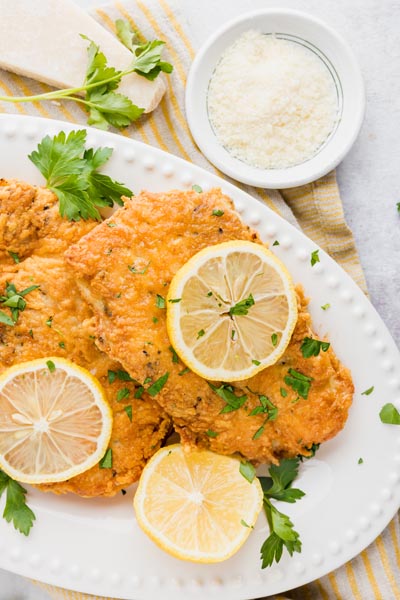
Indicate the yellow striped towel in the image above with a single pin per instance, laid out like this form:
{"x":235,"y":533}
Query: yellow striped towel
{"x":315,"y":208}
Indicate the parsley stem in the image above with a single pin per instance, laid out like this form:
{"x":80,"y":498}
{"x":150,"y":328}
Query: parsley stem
{"x":65,"y":93}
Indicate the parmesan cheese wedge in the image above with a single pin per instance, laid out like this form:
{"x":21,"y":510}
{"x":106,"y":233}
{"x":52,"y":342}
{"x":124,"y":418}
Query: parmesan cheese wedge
{"x":42,"y":40}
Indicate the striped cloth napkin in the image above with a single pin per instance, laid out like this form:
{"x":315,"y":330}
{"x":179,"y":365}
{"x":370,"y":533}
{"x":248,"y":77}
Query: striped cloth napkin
{"x":315,"y":208}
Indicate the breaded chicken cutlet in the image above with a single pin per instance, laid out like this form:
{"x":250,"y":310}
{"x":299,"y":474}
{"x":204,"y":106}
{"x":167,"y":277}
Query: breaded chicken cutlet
{"x":58,"y":322}
{"x":124,"y":267}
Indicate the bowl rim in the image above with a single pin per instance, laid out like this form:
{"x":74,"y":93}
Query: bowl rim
{"x":267,"y":178}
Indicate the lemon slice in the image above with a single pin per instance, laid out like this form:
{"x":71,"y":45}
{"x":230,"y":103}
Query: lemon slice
{"x":231,"y":311}
{"x":196,"y":505}
{"x":55,"y":421}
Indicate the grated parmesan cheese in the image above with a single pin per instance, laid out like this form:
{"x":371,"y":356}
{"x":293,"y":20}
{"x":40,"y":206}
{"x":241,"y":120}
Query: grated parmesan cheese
{"x":272,"y":102}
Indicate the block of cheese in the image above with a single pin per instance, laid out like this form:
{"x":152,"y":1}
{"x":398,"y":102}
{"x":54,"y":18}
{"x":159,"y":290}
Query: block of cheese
{"x":42,"y":40}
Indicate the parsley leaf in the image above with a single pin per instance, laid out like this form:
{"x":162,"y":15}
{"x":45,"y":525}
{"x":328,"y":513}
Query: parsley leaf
{"x":51,"y":366}
{"x":157,"y":386}
{"x":276,"y":243}
{"x":211,"y":433}
{"x":197,"y":188}
{"x":282,"y":535}
{"x":278,"y":484}
{"x":299,"y":382}
{"x":16,"y":509}
{"x":71,"y":173}
{"x":368,"y":391}
{"x":389,"y":414}
{"x":315,"y":258}
{"x":175,"y":357}
{"x":122,"y":394}
{"x":225,"y":391}
{"x":14,"y":256}
{"x":160,"y":301}
{"x":247,"y":470}
{"x":217,"y":212}
{"x":128,"y":410}
{"x":311,"y":347}
{"x":274,"y":339}
{"x":107,"y":460}
{"x":242,"y":307}
{"x":325,"y":306}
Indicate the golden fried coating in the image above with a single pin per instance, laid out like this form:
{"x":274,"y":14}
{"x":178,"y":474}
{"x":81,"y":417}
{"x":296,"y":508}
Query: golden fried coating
{"x":58,"y":322}
{"x":124,"y":263}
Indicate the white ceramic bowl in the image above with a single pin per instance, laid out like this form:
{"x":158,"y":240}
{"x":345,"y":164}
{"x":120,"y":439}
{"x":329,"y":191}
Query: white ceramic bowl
{"x":331,"y":49}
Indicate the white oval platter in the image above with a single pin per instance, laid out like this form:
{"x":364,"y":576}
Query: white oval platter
{"x":96,"y":546}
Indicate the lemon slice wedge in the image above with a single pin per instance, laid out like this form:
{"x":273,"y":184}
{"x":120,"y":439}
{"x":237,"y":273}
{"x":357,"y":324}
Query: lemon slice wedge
{"x":196,"y":505}
{"x":55,"y":421}
{"x":231,"y":311}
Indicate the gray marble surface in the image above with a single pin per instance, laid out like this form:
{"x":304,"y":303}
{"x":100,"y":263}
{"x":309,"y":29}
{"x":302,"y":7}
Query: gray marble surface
{"x":369,"y":177}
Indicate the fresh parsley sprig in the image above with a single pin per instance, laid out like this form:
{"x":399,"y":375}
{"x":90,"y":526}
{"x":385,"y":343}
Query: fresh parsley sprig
{"x":71,"y":172}
{"x":97,"y":93}
{"x":282,"y":532}
{"x":16,"y":509}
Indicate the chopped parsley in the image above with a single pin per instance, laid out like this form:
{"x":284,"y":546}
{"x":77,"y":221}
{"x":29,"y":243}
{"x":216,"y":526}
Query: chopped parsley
{"x":209,"y":293}
{"x":15,"y":302}
{"x":16,"y":510}
{"x":51,"y":366}
{"x":155,"y":320}
{"x":247,"y":470}
{"x":256,"y":362}
{"x":274,"y":339}
{"x":225,"y":391}
{"x":139,"y":392}
{"x":174,"y":300}
{"x":276,"y":243}
{"x":122,"y":394}
{"x":314,"y":258}
{"x":30,"y":332}
{"x":217,"y":212}
{"x":325,"y":306}
{"x":128,"y":410}
{"x":311,"y":347}
{"x":242,"y":307}
{"x":398,"y":206}
{"x":211,"y":434}
{"x":242,"y":522}
{"x":14,"y":256}
{"x":49,"y":322}
{"x":299,"y":382}
{"x":389,"y":414}
{"x":160,"y":301}
{"x":184,"y":371}
{"x":265,"y":407}
{"x":61,"y":344}
{"x":111,"y":224}
{"x":175,"y":357}
{"x":368,"y":391}
{"x":133,"y":269}
{"x":200,"y":333}
{"x":233,"y":332}
{"x":360,"y":461}
{"x":120,"y":374}
{"x":283,"y":392}
{"x":157,"y":386}
{"x":107,"y":460}
{"x":197,"y":188}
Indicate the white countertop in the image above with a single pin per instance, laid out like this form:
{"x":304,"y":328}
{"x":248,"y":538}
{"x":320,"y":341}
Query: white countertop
{"x":367,"y":176}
